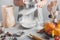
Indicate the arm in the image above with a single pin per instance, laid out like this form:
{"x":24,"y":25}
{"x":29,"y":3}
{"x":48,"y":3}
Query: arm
{"x":49,"y":7}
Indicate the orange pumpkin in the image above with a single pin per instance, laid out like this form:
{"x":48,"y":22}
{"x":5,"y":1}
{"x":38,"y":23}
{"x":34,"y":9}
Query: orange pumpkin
{"x":48,"y":27}
{"x":58,"y":24}
{"x":57,"y":31}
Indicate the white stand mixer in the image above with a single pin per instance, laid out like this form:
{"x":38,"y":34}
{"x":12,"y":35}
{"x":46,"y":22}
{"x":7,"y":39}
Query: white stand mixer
{"x":27,"y":20}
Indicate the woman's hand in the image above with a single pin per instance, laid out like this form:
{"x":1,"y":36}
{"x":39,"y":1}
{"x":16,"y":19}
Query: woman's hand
{"x":41,"y":3}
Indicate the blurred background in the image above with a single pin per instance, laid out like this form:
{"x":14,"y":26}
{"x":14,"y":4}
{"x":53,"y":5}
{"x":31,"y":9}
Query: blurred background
{"x":45,"y":11}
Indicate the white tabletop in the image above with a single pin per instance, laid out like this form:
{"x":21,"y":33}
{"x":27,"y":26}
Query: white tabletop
{"x":26,"y":32}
